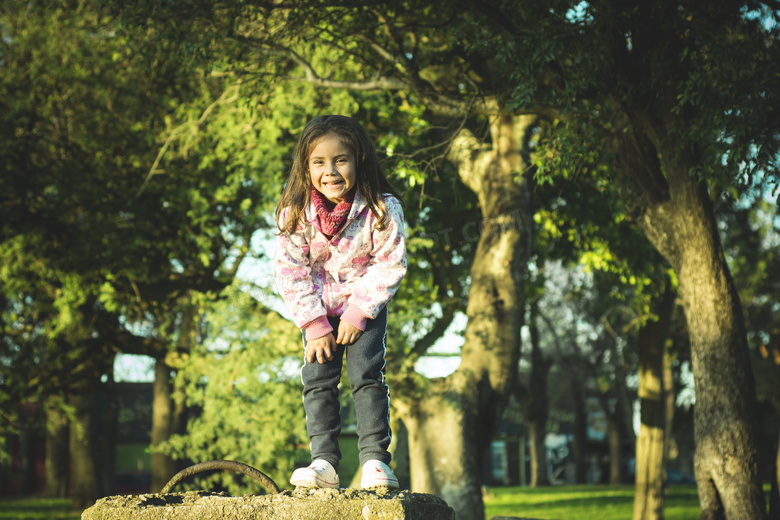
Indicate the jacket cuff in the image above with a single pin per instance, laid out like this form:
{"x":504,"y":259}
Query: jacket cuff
{"x":354,"y":316}
{"x":317,"y":328}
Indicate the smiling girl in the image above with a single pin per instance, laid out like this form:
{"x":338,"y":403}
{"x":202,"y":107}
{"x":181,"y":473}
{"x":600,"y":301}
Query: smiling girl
{"x":340,"y":257}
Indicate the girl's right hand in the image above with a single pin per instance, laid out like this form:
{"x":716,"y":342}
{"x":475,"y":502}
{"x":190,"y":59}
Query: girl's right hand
{"x":321,"y":349}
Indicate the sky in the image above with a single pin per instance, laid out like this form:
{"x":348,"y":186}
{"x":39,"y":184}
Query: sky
{"x":444,"y":361}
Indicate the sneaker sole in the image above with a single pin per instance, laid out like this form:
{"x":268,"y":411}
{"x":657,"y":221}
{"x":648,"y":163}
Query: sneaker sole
{"x":393,"y":484}
{"x":316,"y":483}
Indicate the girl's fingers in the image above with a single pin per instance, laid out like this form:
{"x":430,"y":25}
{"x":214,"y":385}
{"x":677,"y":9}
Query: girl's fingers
{"x":321,"y":351}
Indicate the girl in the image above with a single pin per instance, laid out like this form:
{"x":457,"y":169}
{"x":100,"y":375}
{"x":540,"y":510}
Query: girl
{"x":340,"y":257}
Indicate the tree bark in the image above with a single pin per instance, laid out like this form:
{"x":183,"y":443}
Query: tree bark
{"x":650,"y":445}
{"x":168,"y":411}
{"x":451,"y":421}
{"x":774,"y":492}
{"x":678,"y":219}
{"x":84,"y":450}
{"x":580,"y":439}
{"x":57,"y":460}
{"x":92,"y":442}
{"x":617,"y":423}
{"x":109,"y":421}
{"x":164,"y":424}
{"x":669,"y":406}
{"x":535,"y":407}
{"x":615,"y":442}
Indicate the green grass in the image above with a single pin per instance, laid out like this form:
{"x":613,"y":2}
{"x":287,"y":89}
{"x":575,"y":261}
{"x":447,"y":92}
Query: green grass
{"x":585,"y":502}
{"x":36,"y":508}
{"x":554,"y":503}
{"x":559,"y":502}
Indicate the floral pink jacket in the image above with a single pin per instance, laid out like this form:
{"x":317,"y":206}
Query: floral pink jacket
{"x":353,"y":275}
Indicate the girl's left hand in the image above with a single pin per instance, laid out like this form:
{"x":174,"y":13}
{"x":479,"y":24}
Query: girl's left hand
{"x":348,"y":333}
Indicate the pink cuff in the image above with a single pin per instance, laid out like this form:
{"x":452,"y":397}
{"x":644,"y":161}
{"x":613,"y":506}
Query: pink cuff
{"x":354,"y":316}
{"x":317,"y":328}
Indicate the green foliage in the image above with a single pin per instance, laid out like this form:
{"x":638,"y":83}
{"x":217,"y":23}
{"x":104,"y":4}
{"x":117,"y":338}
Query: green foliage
{"x":244,"y":385}
{"x":140,"y":159}
{"x":113,"y":208}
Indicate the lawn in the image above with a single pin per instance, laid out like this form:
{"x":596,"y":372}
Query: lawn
{"x":585,"y":502}
{"x":551,"y":503}
{"x":34,"y":508}
{"x":559,"y":502}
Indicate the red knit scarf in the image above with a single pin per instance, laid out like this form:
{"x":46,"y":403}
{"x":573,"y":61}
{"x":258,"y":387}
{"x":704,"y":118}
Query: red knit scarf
{"x":332,"y":215}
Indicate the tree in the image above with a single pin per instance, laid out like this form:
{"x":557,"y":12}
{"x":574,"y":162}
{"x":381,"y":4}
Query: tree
{"x":651,"y":446}
{"x":661,"y":89}
{"x":241,"y":380}
{"x":664,"y":93}
{"x":533,"y":399}
{"x":467,"y":405}
{"x":100,"y":244}
{"x":750,"y":235}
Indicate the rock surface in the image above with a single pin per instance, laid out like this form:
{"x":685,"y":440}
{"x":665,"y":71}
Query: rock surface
{"x":300,"y":504}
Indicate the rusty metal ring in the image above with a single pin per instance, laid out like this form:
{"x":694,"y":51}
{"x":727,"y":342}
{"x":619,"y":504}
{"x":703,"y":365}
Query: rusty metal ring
{"x":230,"y":465}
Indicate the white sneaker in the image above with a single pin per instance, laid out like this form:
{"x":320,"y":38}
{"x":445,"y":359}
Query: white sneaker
{"x":319,"y":474}
{"x":377,"y":473}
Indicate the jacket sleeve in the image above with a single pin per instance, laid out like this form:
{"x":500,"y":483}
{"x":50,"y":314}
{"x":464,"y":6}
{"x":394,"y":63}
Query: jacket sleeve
{"x":293,"y":276}
{"x":387,"y":265}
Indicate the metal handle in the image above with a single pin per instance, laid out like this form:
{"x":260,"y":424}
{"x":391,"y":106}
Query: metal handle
{"x":230,"y":465}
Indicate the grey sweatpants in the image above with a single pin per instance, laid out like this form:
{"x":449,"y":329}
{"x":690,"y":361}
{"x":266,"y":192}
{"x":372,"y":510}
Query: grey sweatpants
{"x":366,"y":372}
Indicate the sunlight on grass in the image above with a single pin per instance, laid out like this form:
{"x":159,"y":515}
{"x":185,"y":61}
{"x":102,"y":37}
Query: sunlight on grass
{"x":585,"y":502}
{"x":591,"y":502}
{"x":34,"y":508}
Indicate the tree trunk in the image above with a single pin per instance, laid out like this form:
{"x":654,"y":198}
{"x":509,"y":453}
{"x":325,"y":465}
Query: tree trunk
{"x":624,"y":408}
{"x":774,"y":493}
{"x":682,"y":227}
{"x":164,"y":420}
{"x":168,"y":411}
{"x":536,"y":435}
{"x":535,"y":407}
{"x":107,"y":433}
{"x":650,"y":445}
{"x":669,"y":406}
{"x":616,"y":423}
{"x":84,"y":450}
{"x":399,"y":447}
{"x":580,"y":439}
{"x":57,"y":460}
{"x":452,"y":420}
{"x":445,"y":457}
{"x":615,"y":440}
{"x":92,"y":434}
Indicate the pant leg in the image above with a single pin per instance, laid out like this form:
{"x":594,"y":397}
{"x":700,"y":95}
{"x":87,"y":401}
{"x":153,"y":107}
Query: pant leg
{"x":366,"y":371}
{"x":321,"y":404}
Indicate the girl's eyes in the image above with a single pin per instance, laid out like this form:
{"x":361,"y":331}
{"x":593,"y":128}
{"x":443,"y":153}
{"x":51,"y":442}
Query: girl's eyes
{"x":340,"y":160}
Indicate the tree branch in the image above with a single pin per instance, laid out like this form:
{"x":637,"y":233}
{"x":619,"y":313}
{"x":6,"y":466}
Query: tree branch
{"x":436,"y":332}
{"x":435,"y":101}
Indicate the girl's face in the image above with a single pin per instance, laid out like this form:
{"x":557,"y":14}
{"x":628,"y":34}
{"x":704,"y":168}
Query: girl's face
{"x":332,"y":168}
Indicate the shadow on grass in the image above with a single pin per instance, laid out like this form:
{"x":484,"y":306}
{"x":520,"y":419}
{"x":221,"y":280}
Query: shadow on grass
{"x":584,"y":502}
{"x":35,"y":508}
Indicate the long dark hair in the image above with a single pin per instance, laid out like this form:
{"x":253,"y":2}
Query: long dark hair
{"x":370,"y":179}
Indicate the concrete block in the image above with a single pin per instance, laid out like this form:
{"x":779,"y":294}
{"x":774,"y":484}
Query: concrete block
{"x":300,"y":504}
